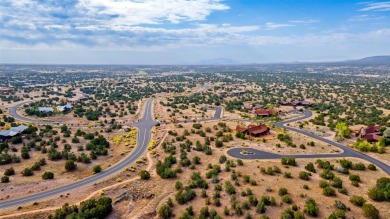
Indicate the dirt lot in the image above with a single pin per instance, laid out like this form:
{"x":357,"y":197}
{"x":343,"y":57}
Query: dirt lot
{"x":163,"y":113}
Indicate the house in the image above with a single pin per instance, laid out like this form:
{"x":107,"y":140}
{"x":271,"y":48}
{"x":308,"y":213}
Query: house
{"x":77,"y":99}
{"x":89,"y":87}
{"x":296,"y":103}
{"x":265,"y":113}
{"x":4,"y":90}
{"x":259,"y":106}
{"x":254,"y":130}
{"x":65,"y":108}
{"x":371,"y":133}
{"x":284,"y":103}
{"x":238,"y":93}
{"x":45,"y":109}
{"x":247,"y":108}
{"x":206,"y":107}
{"x":13,"y":131}
{"x":306,"y":103}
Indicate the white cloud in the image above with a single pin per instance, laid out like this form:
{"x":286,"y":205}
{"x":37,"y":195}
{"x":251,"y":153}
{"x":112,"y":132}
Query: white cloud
{"x":271,"y":25}
{"x":377,"y":6}
{"x":151,"y":11}
{"x":365,"y":17}
{"x":310,"y":21}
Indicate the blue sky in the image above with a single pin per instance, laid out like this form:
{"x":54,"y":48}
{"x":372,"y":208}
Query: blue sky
{"x":191,"y":31}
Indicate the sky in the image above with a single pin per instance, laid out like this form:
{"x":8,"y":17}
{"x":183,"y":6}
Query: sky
{"x":191,"y":31}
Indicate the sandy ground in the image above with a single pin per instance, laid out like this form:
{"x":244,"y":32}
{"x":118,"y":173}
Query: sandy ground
{"x":162,"y":113}
{"x":21,"y":185}
{"x":140,"y":205}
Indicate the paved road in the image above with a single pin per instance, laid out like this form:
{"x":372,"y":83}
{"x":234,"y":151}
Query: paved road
{"x":13,"y":113}
{"x":144,"y":126}
{"x":348,"y":152}
{"x":147,"y":123}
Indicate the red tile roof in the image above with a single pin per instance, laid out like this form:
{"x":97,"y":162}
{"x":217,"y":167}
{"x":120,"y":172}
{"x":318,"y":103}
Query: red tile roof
{"x":372,"y":137}
{"x":258,"y":129}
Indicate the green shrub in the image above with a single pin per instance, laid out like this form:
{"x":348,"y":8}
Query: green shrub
{"x":289,"y":161}
{"x":165,"y":212}
{"x":48,"y":175}
{"x":343,"y":191}
{"x":324,"y":183}
{"x":286,"y":199}
{"x":382,"y":190}
{"x":371,"y":167}
{"x":327,"y":174}
{"x":311,"y":208}
{"x":283,"y":191}
{"x":91,"y":208}
{"x":9,"y":172}
{"x":354,"y":177}
{"x":328,"y":191}
{"x":370,"y":211}
{"x":310,"y":167}
{"x":337,"y":182}
{"x":97,"y":169}
{"x":354,"y":183}
{"x":144,"y":174}
{"x":357,"y":200}
{"x":184,"y":196}
{"x":5,"y":179}
{"x":304,"y":175}
{"x":230,"y":188}
{"x":359,"y":166}
{"x":70,"y":165}
{"x":27,"y":172}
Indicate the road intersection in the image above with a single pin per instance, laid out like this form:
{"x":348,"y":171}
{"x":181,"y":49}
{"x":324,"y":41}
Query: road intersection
{"x":145,"y":125}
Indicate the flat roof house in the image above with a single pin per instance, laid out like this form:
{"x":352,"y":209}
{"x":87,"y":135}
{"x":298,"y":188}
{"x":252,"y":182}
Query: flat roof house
{"x":64,"y":108}
{"x":45,"y":109}
{"x":13,"y":131}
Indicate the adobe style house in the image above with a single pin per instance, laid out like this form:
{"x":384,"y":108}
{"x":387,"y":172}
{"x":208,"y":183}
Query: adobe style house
{"x":265,"y":113}
{"x":254,"y":130}
{"x":371,"y":133}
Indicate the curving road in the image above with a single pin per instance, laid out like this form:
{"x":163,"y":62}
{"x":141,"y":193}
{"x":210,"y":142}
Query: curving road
{"x":348,"y":152}
{"x":13,"y":113}
{"x":144,"y":126}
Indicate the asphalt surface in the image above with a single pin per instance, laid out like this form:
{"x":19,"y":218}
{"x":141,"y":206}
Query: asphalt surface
{"x":144,"y":126}
{"x":348,"y":152}
{"x":13,"y":113}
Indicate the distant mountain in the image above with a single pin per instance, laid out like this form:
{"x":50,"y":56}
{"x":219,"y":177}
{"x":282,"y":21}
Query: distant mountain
{"x":219,"y":61}
{"x":377,"y":60}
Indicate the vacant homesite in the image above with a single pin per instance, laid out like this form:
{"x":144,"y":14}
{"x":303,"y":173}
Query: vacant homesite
{"x":84,"y":124}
